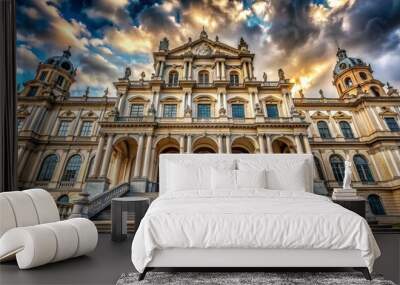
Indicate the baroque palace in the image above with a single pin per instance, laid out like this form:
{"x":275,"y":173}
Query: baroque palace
{"x":204,"y":98}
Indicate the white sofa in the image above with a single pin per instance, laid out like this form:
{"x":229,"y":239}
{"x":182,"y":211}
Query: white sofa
{"x":31,"y":230}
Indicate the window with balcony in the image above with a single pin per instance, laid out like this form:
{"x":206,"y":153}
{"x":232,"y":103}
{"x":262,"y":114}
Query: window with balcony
{"x":173,"y":78}
{"x":86,"y":130}
{"x":392,"y":124}
{"x":204,"y":111}
{"x":324,"y":130}
{"x":137,"y":110}
{"x":169,"y":111}
{"x":71,"y":171}
{"x":346,"y":130}
{"x":32,"y":91}
{"x":234,"y":79}
{"x":204,"y":77}
{"x":272,"y":111}
{"x":238,"y":111}
{"x":63,"y":128}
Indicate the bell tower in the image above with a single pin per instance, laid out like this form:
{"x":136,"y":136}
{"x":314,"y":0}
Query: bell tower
{"x":353,"y":77}
{"x":54,"y":76}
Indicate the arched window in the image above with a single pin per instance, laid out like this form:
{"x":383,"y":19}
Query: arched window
{"x":348,"y":82}
{"x":337,"y":165}
{"x":376,"y":204}
{"x":363,"y":76}
{"x":375,"y":91}
{"x":346,"y":130}
{"x":47,"y":168}
{"x":204,"y":77}
{"x":324,"y":130}
{"x":72,"y":169}
{"x":364,"y":172}
{"x":319,"y":168}
{"x":234,"y":79}
{"x":173,"y":78}
{"x":63,"y":199}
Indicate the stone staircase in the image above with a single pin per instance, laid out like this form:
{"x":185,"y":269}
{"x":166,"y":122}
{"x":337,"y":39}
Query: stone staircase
{"x":102,"y":220}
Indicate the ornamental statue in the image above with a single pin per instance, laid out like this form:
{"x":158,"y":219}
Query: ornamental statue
{"x":87,"y":91}
{"x":164,"y":43}
{"x":128,"y":73}
{"x":105,"y":92}
{"x":203,"y":34}
{"x":347,"y":175}
{"x":188,"y":111}
{"x":281,"y":74}
{"x":391,"y":90}
{"x":321,"y":93}
{"x":301,"y":93}
{"x":265,"y":77}
{"x":243,"y":46}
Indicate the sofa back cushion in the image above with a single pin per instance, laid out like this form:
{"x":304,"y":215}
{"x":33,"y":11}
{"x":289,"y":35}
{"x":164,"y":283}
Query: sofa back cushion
{"x":26,"y":208}
{"x":286,"y":167}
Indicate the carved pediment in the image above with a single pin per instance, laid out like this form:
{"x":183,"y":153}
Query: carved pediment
{"x":204,"y":47}
{"x":341,"y":115}
{"x":90,"y":114}
{"x":138,"y":98}
{"x":67,"y":114}
{"x":237,"y":99}
{"x":320,"y":115}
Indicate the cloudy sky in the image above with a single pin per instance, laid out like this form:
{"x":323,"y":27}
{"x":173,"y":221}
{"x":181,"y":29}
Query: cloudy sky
{"x":300,"y":36}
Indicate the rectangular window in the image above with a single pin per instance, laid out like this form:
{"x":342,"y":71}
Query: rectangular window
{"x":43,"y":76}
{"x":60,"y":81}
{"x":272,"y":111}
{"x":137,"y":110}
{"x":32,"y":91}
{"x":203,"y":111}
{"x":392,"y":124}
{"x":86,"y":129}
{"x":169,"y":111}
{"x":238,"y":111}
{"x":63,"y":129}
{"x":19,"y":124}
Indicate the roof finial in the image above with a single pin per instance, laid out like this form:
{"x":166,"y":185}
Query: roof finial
{"x":203,"y":33}
{"x":67,"y":52}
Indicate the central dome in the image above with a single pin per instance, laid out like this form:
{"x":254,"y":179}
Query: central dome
{"x":62,"y":61}
{"x":344,"y":62}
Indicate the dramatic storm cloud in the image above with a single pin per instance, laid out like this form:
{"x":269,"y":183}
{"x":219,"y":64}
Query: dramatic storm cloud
{"x":300,"y":36}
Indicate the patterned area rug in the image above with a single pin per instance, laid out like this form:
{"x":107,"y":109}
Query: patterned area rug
{"x":243,"y":278}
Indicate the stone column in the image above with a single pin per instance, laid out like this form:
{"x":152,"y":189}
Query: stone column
{"x":138,"y":161}
{"x":189,"y":102}
{"x":269,"y":144}
{"x":219,"y":143}
{"x":394,"y":162}
{"x":182,"y":144}
{"x":299,"y":148}
{"x":158,"y":69}
{"x":252,"y":113}
{"x":250,"y":70}
{"x":223,"y":70}
{"x":228,"y":143}
{"x":307,"y":144}
{"x":245,"y":70}
{"x":97,"y":159}
{"x":107,"y":157}
{"x":189,"y":143}
{"x":162,"y":69}
{"x":23,"y":160}
{"x":190,"y":70}
{"x":217,"y":67}
{"x":121,"y":107}
{"x":147,"y":156}
{"x":225,"y":102}
{"x":185,"y":70}
{"x":117,"y":166}
{"x":156,"y":101}
{"x":261,"y":143}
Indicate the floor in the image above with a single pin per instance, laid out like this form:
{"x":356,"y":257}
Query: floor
{"x":111,"y":259}
{"x":103,"y":266}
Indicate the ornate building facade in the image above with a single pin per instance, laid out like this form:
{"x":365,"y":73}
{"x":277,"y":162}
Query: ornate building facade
{"x":204,"y":98}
